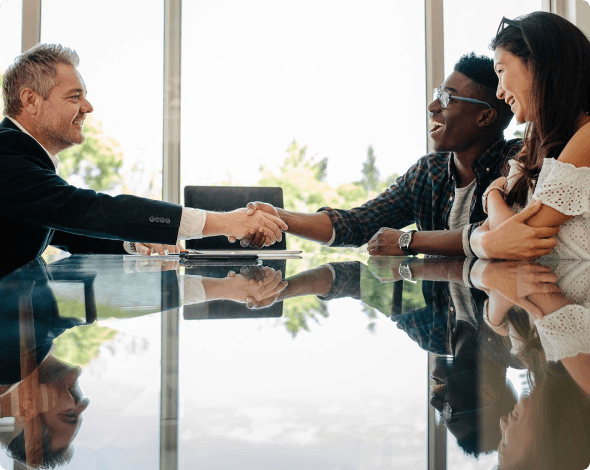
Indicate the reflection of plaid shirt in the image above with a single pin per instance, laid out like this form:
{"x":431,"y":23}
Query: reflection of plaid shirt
{"x":424,"y":195}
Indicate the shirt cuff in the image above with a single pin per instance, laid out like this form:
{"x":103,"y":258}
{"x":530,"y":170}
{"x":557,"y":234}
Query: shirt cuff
{"x":465,"y":238}
{"x":129,"y":247}
{"x":192,"y":223}
{"x":329,"y":242}
{"x":192,"y":290}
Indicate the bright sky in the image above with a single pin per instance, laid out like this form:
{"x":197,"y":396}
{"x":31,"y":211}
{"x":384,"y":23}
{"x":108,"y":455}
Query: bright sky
{"x":258,"y":74}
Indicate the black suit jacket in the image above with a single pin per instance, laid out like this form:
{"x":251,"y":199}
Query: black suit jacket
{"x":35,"y":202}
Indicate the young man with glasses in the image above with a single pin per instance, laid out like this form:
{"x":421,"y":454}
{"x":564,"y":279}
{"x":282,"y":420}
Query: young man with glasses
{"x":442,"y":192}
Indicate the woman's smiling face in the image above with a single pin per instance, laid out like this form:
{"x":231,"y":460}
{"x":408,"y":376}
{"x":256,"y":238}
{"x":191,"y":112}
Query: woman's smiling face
{"x":517,"y":434}
{"x":515,"y":82}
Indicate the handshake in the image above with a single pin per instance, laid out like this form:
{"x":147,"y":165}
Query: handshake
{"x":269,"y":230}
{"x":256,"y":225}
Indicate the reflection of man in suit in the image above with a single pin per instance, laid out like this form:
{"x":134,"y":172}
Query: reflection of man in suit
{"x":45,"y":104}
{"x":41,"y":390}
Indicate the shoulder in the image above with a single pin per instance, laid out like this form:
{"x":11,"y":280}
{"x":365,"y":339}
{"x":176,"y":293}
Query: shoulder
{"x":16,"y":144}
{"x":577,"y":150}
{"x":512,"y":147}
{"x":434,"y":163}
{"x":431,"y":167}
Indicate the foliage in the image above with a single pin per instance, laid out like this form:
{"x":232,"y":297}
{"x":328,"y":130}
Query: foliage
{"x":97,"y":161}
{"x":80,"y":345}
{"x":370,"y":173}
{"x":305,"y":190}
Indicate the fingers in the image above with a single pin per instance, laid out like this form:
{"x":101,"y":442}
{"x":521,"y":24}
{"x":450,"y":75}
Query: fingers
{"x":254,"y":241}
{"x":255,"y":274}
{"x":247,"y":239}
{"x":273,"y":281}
{"x":547,"y":232}
{"x":251,"y":208}
{"x":272,"y":227}
{"x":276,"y":220}
{"x":280,"y":287}
{"x":232,"y":239}
{"x":142,"y":249}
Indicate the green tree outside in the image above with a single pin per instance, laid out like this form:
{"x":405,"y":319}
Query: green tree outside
{"x":98,"y":160}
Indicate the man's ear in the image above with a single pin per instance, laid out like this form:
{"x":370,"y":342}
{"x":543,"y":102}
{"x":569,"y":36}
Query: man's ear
{"x":486,"y":117}
{"x":30,"y":101}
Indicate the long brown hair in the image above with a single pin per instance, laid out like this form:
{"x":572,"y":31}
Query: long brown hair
{"x":558,"y":55}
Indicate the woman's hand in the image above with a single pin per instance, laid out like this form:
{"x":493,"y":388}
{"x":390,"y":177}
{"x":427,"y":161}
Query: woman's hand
{"x":514,"y":239}
{"x":516,"y":281}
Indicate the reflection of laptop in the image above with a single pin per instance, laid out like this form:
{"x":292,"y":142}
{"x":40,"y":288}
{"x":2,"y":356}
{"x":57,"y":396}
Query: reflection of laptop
{"x":228,"y":198}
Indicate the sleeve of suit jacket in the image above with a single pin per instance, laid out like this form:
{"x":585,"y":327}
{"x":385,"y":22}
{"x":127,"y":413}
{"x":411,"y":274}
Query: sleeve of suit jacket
{"x":32,"y":193}
{"x":81,"y":245}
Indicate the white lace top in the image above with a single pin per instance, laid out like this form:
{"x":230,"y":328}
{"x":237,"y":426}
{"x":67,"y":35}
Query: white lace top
{"x":565,"y":188}
{"x":566,"y":332}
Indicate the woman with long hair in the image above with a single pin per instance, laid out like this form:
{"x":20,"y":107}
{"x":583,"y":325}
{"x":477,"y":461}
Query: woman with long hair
{"x":543,"y":65}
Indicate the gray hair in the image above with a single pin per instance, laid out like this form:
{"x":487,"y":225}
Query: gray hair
{"x":34,"y":69}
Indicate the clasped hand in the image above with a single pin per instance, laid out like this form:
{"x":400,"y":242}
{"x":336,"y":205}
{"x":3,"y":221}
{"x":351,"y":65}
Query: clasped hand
{"x":258,"y":239}
{"x":257,"y":286}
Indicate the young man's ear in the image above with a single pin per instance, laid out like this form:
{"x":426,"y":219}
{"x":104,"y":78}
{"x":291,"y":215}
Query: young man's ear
{"x":486,"y":117}
{"x":30,"y":101}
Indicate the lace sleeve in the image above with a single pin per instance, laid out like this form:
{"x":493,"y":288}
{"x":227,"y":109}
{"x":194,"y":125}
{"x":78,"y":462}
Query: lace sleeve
{"x":565,"y":332}
{"x":564,"y":187}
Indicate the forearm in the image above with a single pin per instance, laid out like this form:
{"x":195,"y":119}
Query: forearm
{"x":316,"y":227}
{"x":438,"y":269}
{"x":547,"y":217}
{"x":498,"y":210}
{"x":317,"y":281}
{"x":438,"y":242}
{"x":476,"y":240}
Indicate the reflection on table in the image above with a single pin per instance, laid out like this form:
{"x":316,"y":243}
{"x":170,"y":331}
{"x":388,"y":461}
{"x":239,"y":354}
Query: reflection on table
{"x":482,"y":323}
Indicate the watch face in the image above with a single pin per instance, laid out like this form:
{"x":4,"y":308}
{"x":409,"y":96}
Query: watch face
{"x":405,"y":271}
{"x":404,"y":240}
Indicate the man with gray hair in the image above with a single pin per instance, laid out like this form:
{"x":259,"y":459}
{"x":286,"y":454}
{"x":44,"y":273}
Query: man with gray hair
{"x":45,"y":107}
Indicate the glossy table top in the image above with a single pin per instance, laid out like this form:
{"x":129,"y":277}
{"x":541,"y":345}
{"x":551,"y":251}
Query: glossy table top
{"x":323,"y":362}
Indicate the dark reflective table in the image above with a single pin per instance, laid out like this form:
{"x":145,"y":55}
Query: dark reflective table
{"x":313,"y":363}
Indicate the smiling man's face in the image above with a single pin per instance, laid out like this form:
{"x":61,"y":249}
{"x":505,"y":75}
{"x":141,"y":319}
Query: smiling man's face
{"x":456,"y":128}
{"x":61,"y":116}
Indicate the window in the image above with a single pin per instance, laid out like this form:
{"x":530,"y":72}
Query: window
{"x":121,"y":63}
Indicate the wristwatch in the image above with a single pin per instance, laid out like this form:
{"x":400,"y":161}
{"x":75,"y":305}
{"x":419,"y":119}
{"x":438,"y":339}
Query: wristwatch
{"x":404,"y":242}
{"x":405,"y":271}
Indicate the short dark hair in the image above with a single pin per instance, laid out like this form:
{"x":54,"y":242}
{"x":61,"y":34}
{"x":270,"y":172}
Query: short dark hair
{"x":480,"y":70}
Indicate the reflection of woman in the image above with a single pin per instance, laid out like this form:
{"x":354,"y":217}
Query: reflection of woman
{"x":543,"y":64}
{"x":551,"y":427}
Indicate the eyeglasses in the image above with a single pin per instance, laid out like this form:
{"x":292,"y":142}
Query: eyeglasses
{"x":444,"y":97}
{"x":507,"y":22}
{"x":449,"y":415}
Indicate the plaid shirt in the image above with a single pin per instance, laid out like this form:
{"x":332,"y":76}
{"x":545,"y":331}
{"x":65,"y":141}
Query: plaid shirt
{"x":424,"y":196}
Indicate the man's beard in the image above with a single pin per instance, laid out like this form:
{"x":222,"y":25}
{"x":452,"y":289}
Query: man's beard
{"x":56,"y":138}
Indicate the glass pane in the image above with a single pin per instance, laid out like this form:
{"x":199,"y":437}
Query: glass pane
{"x":121,"y":63}
{"x":10,"y":33}
{"x":264,"y":81}
{"x":479,"y":23}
